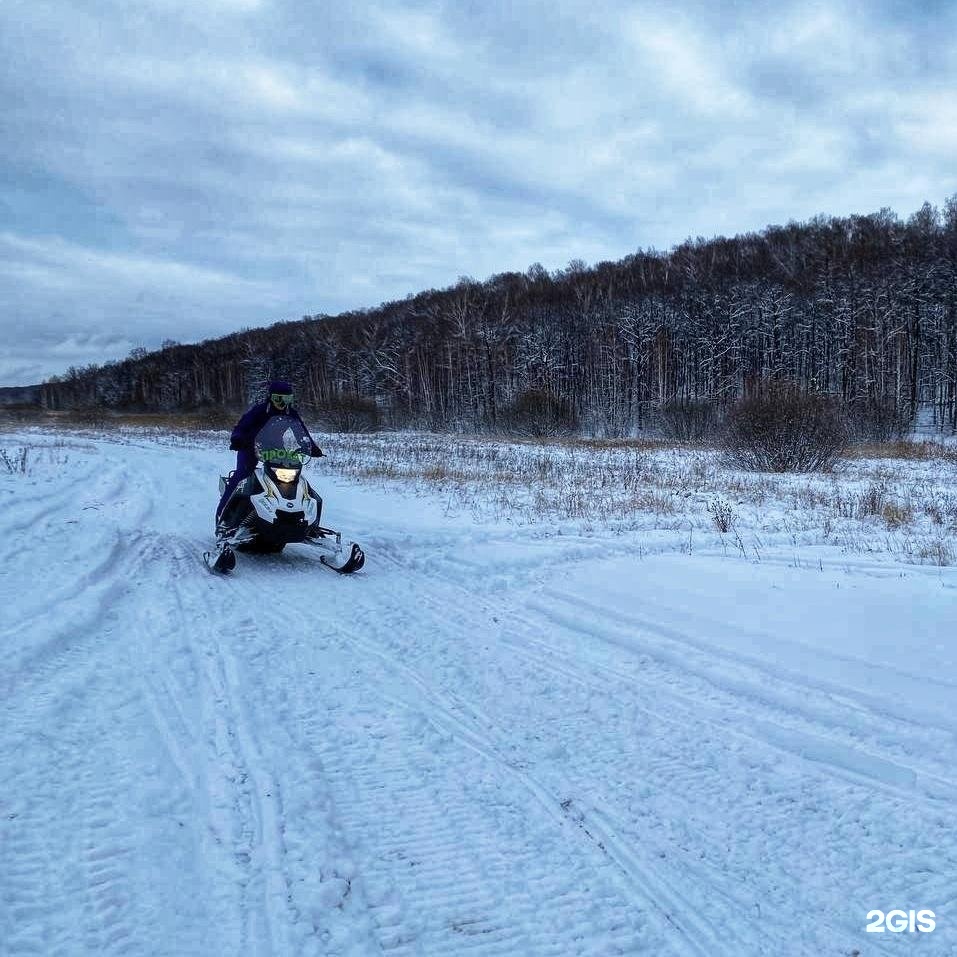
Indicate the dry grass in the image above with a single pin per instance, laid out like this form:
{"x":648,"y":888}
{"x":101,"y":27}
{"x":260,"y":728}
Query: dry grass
{"x":640,"y":445}
{"x":41,"y":458}
{"x":926,"y":451}
{"x":722,"y":514}
{"x":904,"y":505}
{"x":657,"y":485}
{"x":531,"y":480}
{"x":14,"y":461}
{"x":653,"y":502}
{"x":871,"y":501}
{"x":937,"y":552}
{"x":896,"y":516}
{"x":921,"y":551}
{"x":100,"y":419}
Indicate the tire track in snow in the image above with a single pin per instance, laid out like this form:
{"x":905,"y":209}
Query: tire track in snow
{"x":52,"y":503}
{"x":652,"y":877}
{"x":167,"y":646}
{"x":851,"y":762}
{"x":207,"y":749}
{"x":675,"y":637}
{"x":210,"y":743}
{"x":58,"y":667}
{"x":111,"y":552}
{"x":870,"y":810}
{"x":456,"y":854}
{"x":68,"y":847}
{"x":266,"y":803}
{"x":453,"y":717}
{"x":110,"y":926}
{"x":92,"y":816}
{"x":599,"y":820}
{"x":27,"y":861}
{"x":311,"y":867}
{"x":456,"y":866}
{"x":51,"y":576}
{"x":239,"y":801}
{"x":236,"y":813}
{"x":61,"y":682}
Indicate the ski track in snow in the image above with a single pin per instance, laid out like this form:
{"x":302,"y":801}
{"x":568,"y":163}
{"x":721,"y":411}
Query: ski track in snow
{"x":468,"y":748}
{"x":742,"y":695}
{"x":475,"y":729}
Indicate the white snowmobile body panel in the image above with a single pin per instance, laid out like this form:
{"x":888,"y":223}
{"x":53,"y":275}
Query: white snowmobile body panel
{"x":270,"y":501}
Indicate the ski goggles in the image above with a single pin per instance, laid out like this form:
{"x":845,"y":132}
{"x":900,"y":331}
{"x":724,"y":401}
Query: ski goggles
{"x":281,"y":400}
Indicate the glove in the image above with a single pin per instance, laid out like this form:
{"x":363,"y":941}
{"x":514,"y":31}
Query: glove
{"x":235,"y":445}
{"x":316,"y":451}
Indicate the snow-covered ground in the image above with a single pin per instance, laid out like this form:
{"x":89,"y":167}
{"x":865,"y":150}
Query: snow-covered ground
{"x":534,"y":737}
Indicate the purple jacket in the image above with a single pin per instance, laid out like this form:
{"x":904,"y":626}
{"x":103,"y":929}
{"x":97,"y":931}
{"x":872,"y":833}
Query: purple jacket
{"x":247,"y":428}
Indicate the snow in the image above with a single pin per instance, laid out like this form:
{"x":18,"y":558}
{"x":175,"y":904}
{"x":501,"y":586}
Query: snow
{"x":550,"y":737}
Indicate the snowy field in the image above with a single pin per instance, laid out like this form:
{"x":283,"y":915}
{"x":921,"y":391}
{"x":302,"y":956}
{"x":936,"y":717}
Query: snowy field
{"x":579,"y":701}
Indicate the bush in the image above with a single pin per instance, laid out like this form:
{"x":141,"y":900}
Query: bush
{"x":538,"y":413}
{"x":349,"y":413}
{"x":783,"y":428}
{"x":878,"y":420}
{"x":896,"y":515}
{"x":688,"y":420}
{"x":15,"y":462}
{"x":722,"y":514}
{"x":872,"y":501}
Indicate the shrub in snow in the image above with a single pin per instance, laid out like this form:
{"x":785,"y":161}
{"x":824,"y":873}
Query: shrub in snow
{"x":722,"y":514}
{"x":878,"y":420}
{"x":872,"y":501}
{"x":349,"y":413}
{"x":688,"y":420}
{"x":538,"y":413}
{"x":14,"y":462}
{"x":896,"y":515}
{"x":783,"y":428}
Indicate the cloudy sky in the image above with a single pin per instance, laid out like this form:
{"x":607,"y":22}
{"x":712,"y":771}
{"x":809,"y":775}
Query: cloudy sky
{"x":181,"y":169}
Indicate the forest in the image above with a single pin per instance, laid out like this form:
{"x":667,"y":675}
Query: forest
{"x":863,"y":308}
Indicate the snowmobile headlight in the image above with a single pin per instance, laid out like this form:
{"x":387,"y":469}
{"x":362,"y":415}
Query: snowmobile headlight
{"x":286,"y":475}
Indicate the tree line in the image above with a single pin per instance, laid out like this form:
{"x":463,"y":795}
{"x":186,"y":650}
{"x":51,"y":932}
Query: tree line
{"x":861,"y":307}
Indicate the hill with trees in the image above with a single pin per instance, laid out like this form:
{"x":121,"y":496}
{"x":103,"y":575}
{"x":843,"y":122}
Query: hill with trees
{"x":862,"y":307}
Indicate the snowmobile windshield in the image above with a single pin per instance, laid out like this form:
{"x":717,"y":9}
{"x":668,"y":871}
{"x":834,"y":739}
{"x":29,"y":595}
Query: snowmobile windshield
{"x":283,"y":443}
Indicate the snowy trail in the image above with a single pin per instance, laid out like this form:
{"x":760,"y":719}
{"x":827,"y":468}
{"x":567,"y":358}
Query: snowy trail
{"x":491,"y":741}
{"x":812,"y":719}
{"x":450,"y":852}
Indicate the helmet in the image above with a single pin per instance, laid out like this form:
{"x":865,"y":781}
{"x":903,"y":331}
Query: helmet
{"x":280,"y":394}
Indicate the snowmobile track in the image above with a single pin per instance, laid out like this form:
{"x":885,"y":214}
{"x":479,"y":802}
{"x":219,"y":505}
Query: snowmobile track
{"x":779,"y":697}
{"x":457,"y":720}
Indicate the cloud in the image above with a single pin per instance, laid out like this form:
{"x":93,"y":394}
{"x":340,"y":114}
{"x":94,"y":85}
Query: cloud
{"x":179,"y":170}
{"x":65,"y":301}
{"x":68,"y":264}
{"x":28,"y":361}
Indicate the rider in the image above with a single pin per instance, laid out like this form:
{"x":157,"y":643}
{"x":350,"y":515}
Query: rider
{"x":278,"y":401}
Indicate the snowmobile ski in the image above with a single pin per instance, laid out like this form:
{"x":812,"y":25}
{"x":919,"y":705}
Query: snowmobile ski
{"x":225,"y":560}
{"x":353,"y":563}
{"x":317,"y":538}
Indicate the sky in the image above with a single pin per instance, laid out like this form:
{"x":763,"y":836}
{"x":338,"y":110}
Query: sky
{"x":174,"y":169}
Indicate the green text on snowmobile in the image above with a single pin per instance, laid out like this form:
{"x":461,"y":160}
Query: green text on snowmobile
{"x":282,"y":455}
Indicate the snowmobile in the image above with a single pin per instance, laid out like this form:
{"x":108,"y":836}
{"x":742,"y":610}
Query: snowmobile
{"x":275,"y":506}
